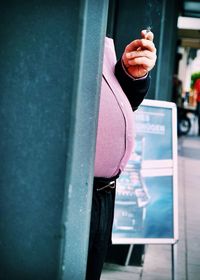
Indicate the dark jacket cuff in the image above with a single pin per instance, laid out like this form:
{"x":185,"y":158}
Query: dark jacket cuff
{"x":135,"y":89}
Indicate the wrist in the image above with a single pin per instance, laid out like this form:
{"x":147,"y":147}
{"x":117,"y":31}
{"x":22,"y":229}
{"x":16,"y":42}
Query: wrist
{"x":129,"y":74}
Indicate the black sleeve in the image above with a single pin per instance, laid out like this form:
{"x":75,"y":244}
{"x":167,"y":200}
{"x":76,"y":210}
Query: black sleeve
{"x":135,"y":90}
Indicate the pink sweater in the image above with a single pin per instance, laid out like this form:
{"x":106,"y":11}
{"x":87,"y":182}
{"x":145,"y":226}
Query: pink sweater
{"x":115,"y":124}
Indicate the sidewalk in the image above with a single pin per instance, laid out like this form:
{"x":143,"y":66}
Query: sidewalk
{"x":157,"y":261}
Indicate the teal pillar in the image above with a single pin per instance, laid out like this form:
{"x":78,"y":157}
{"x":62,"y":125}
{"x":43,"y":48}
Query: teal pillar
{"x":50,"y":63}
{"x":167,"y":49}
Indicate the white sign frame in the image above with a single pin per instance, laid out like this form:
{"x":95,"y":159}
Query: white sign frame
{"x":166,"y":167}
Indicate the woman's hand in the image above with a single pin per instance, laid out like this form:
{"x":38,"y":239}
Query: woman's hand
{"x":139,"y":56}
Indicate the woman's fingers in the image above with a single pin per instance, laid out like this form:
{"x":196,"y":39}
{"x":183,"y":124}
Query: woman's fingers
{"x":147,"y":63}
{"x":141,"y":44}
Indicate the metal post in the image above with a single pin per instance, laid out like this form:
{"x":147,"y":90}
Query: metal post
{"x":174,"y":261}
{"x":130,"y":250}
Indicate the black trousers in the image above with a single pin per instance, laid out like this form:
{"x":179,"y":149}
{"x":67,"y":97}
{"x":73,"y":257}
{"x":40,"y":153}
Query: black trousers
{"x":100,"y":231}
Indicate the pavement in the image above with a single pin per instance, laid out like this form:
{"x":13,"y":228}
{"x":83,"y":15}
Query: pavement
{"x":157,"y":263}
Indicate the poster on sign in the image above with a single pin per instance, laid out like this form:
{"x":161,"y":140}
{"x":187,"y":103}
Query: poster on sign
{"x":146,"y":194}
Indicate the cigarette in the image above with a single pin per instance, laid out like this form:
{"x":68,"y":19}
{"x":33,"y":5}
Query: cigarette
{"x":148,"y":29}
